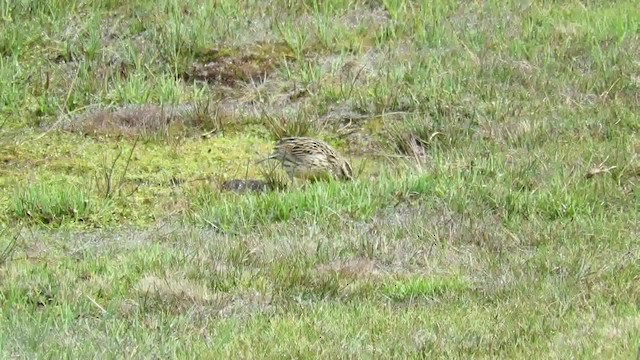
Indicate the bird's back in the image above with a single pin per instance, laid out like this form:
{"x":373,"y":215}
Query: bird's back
{"x":310,"y":158}
{"x":301,"y":148}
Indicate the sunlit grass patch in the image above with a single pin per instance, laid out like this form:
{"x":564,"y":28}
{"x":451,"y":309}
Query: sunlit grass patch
{"x":421,"y":287}
{"x":52,"y":203}
{"x":321,"y":202}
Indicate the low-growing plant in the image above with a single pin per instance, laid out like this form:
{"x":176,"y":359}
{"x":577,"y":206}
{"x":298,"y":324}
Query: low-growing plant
{"x":108,"y":183}
{"x":418,"y":287}
{"x":10,"y":247}
{"x":284,"y":126}
{"x":273,"y":176}
{"x":206,"y":116}
{"x":52,"y":203}
{"x":412,"y":136}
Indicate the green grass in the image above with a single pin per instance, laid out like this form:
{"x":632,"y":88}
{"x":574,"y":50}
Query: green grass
{"x":52,"y":204}
{"x":494,"y":215}
{"x":324,"y":203}
{"x":420,"y":287}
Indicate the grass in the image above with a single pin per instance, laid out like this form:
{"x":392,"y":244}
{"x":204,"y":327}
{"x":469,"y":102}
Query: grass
{"x":323,"y":204}
{"x":52,"y":203}
{"x":412,"y":289}
{"x":494,"y":211}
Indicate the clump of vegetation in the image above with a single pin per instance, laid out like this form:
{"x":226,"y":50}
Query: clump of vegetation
{"x":412,"y":136}
{"x":232,"y":67}
{"x":206,"y":116}
{"x":274,"y":176}
{"x":285,"y":126}
{"x":9,"y":246}
{"x":419,"y":287}
{"x":52,"y":203}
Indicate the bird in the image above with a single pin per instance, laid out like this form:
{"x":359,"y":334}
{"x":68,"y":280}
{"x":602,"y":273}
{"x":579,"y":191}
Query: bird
{"x":311,"y":159}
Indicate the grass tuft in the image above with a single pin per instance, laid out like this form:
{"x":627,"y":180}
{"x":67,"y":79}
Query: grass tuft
{"x":52,"y":203}
{"x":274,"y":176}
{"x":416,"y":288}
{"x":282,"y":126}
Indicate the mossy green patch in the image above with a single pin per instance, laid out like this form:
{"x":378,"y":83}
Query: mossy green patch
{"x":138,"y":181}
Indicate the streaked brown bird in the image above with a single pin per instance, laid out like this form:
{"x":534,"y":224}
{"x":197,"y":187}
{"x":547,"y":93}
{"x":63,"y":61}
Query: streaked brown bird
{"x":311,"y":159}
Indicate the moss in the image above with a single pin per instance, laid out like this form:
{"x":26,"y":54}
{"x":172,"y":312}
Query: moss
{"x":143,"y":189}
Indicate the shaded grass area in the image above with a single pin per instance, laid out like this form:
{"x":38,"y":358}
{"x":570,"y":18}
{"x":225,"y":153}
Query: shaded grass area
{"x":494,"y":214}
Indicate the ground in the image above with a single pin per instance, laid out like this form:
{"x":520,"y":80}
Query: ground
{"x":494,"y":212}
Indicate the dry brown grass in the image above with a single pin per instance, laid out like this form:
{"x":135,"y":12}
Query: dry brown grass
{"x":232,"y":67}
